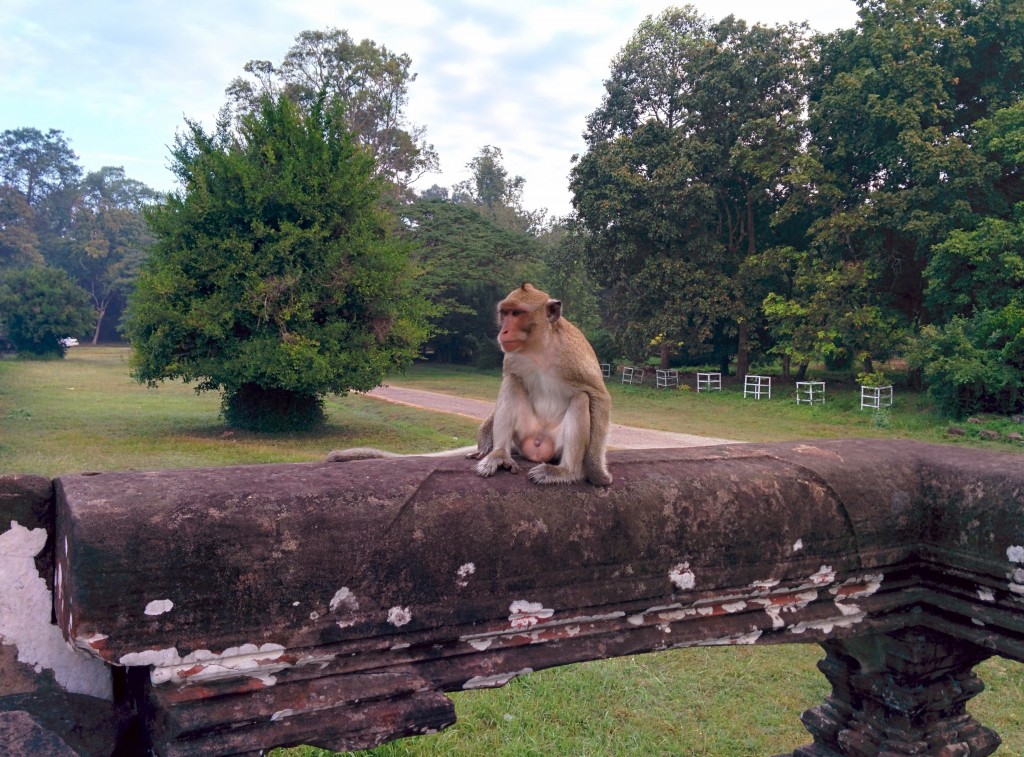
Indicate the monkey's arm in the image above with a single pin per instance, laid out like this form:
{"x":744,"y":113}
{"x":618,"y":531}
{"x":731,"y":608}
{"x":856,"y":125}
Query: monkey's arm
{"x":498,"y":431}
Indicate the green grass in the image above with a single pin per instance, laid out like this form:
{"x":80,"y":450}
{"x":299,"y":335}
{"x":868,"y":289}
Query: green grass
{"x":85,"y":413}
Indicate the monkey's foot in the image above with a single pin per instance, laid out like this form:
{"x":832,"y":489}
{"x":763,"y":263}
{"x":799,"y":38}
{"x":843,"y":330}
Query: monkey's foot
{"x":599,"y":477}
{"x":553,"y":474}
{"x":490,"y":465}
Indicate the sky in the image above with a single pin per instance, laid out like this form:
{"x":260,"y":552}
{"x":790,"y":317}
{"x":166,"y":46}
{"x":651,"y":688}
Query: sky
{"x":119,"y":77}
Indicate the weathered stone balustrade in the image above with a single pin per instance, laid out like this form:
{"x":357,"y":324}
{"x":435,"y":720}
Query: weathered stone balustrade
{"x":228,"y":610}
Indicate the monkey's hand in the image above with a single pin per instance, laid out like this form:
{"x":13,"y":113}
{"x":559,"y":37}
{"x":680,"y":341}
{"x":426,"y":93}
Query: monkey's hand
{"x":497,"y":459}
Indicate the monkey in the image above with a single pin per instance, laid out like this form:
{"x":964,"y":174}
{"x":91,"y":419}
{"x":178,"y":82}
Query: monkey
{"x":553,"y":407}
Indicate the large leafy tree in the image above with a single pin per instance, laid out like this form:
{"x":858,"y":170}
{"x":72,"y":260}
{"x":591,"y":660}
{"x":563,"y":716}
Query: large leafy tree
{"x":39,"y":175}
{"x":368,"y":81}
{"x":109,"y":238}
{"x":39,"y":306}
{"x":497,"y":195}
{"x":684,"y":166}
{"x":275,"y":277}
{"x":19,"y":243}
{"x":892,"y":112}
{"x":469,"y":263}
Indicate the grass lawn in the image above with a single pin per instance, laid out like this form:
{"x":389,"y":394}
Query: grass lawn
{"x":85,"y":413}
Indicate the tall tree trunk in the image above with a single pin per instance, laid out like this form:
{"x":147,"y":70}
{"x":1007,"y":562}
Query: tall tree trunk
{"x":100,"y":312}
{"x":801,"y":371}
{"x":742,"y":350}
{"x":869,"y":366}
{"x":665,"y":355}
{"x":786,"y":360}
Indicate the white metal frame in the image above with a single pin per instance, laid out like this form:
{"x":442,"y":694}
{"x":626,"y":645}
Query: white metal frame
{"x":631,"y":375}
{"x":663,"y":379}
{"x":810,"y":392}
{"x":757,"y":386}
{"x":709,"y":382}
{"x":875,"y":397}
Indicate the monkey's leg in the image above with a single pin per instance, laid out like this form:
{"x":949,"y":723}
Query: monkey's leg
{"x":575,"y":435}
{"x":511,"y":397}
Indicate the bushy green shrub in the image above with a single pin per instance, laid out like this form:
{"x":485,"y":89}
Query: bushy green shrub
{"x":974,"y":365}
{"x":39,"y":306}
{"x":276,"y":277}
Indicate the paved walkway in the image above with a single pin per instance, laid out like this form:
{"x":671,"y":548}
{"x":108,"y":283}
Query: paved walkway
{"x":620,"y":437}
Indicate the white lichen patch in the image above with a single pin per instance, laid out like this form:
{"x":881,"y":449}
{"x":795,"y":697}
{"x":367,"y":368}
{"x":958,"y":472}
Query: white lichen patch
{"x":682,"y":577}
{"x":1015,"y":554}
{"x":399,"y":616}
{"x":749,"y":637}
{"x":850,"y":615}
{"x":861,"y":586}
{"x":524,"y":614}
{"x":202,"y":665}
{"x":798,"y":545}
{"x":345,"y":604}
{"x":986,"y":595}
{"x":25,"y":607}
{"x":674,"y":615}
{"x":343,"y":597}
{"x":159,"y":607}
{"x":731,"y":607}
{"x":463,"y":574}
{"x":281,"y":715}
{"x":481,"y":644}
{"x":494,"y":681}
{"x":824,"y":576}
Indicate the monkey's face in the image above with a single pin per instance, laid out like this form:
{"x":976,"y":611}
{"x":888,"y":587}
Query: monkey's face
{"x":515,"y":325}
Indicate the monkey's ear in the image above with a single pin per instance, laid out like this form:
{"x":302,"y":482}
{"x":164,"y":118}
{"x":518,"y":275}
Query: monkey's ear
{"x":554,"y":310}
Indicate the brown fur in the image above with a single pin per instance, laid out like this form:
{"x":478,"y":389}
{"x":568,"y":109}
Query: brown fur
{"x":553,"y":406}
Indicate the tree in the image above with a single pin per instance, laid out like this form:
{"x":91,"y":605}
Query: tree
{"x":368,"y":81}
{"x":44,"y":170}
{"x":19,"y":244}
{"x":831,"y":315}
{"x":892,"y":112}
{"x":974,"y":364}
{"x":109,"y":238}
{"x":469,"y":263}
{"x":683,"y":172}
{"x":274,"y":277}
{"x":496,"y":195}
{"x":39,"y":306}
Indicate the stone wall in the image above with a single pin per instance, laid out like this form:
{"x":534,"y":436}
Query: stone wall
{"x":230,"y":610}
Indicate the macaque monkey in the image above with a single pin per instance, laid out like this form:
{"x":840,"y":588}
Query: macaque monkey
{"x":553,"y":407}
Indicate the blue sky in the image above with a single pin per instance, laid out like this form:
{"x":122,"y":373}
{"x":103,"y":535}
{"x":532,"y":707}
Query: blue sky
{"x":118,"y":77}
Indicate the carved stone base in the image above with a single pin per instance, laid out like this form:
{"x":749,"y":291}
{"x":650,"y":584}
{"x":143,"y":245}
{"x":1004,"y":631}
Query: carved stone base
{"x":902,"y":693}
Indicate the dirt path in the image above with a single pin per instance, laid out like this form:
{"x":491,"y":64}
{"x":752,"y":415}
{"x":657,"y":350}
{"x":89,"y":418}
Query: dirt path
{"x":620,"y":437}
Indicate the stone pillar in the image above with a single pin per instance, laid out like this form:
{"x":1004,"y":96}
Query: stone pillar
{"x":900,"y":693}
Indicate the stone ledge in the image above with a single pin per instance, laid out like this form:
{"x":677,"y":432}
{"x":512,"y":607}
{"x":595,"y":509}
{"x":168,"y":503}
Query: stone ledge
{"x":279,"y":589}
